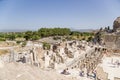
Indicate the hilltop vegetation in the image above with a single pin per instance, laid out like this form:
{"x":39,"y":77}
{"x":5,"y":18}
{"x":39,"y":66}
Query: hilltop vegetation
{"x":46,"y":32}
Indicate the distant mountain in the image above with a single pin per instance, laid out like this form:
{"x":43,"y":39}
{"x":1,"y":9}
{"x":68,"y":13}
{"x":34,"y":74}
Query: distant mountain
{"x":15,"y":30}
{"x":84,"y":30}
{"x":23,"y":30}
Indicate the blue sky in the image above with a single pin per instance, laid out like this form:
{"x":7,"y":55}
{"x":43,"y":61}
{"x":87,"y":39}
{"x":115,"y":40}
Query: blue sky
{"x":79,"y":14}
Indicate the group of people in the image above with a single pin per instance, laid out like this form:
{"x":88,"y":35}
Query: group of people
{"x":82,"y":74}
{"x":88,"y":75}
{"x":65,"y":72}
{"x":117,"y":62}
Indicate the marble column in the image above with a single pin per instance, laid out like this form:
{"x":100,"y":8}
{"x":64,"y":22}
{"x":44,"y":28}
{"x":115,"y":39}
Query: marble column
{"x":47,"y":60}
{"x":11,"y":57}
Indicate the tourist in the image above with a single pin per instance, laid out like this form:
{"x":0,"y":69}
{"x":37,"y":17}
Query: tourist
{"x":118,"y":63}
{"x":82,"y":73}
{"x":94,"y":75}
{"x":87,"y":74}
{"x":65,"y":72}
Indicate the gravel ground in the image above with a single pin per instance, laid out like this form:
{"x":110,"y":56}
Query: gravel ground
{"x":20,"y":71}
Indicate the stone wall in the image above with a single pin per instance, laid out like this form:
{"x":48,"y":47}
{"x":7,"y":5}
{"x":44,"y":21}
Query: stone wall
{"x":112,"y":41}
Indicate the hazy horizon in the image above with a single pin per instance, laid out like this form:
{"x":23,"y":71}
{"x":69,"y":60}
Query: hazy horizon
{"x":24,"y":30}
{"x":76,"y":14}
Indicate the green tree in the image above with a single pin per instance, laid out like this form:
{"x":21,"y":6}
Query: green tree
{"x":45,"y":32}
{"x":28,"y":35}
{"x":11,"y":36}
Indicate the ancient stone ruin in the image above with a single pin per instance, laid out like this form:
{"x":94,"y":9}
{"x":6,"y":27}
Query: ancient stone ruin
{"x":112,"y":40}
{"x":66,"y":56}
{"x":116,"y":24}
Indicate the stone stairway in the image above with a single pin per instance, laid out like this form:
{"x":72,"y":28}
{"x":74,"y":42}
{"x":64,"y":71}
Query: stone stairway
{"x":79,"y":58}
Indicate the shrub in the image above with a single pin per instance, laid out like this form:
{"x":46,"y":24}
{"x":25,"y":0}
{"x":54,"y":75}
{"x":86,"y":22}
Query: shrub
{"x":46,"y":46}
{"x":18,"y":42}
{"x":56,"y":38}
{"x":2,"y":39}
{"x":24,"y":44}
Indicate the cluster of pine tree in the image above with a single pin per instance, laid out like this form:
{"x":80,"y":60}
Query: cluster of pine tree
{"x":46,"y":32}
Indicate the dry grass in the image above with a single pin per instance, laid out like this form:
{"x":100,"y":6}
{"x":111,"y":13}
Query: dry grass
{"x":7,"y":44}
{"x":4,"y":51}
